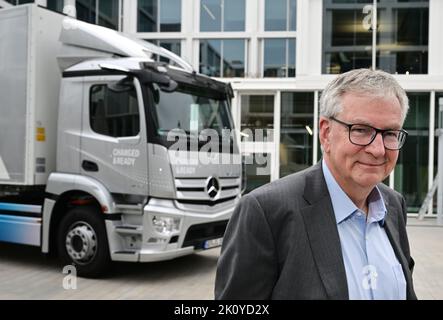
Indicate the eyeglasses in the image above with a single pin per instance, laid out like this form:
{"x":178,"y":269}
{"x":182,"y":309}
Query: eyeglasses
{"x":363,"y":135}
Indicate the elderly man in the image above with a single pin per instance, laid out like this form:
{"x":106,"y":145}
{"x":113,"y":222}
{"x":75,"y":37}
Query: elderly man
{"x":333,"y":231}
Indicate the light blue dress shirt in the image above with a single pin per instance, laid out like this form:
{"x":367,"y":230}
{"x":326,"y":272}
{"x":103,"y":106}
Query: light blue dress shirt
{"x":372,"y":269}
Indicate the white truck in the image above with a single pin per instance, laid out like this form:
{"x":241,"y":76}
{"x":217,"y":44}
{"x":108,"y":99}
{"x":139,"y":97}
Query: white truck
{"x":86,"y":166}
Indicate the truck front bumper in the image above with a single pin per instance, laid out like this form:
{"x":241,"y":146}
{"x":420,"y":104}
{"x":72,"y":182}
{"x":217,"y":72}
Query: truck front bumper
{"x":189,"y":232}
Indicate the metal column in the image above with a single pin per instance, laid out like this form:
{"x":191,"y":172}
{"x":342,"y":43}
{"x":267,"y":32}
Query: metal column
{"x":440,"y":163}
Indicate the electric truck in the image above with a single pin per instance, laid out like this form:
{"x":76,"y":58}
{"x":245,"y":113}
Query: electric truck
{"x":104,"y":145}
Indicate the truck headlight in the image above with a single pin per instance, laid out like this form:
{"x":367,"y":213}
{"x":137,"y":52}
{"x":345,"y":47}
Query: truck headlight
{"x":166,"y":225}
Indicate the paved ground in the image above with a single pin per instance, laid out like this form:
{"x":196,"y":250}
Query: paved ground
{"x":26,"y":274}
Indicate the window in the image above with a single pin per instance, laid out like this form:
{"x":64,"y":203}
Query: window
{"x":171,"y":45}
{"x":17,"y":2}
{"x":108,"y":12}
{"x":222,"y":58}
{"x":55,"y":5}
{"x":222,"y":15}
{"x":279,"y":58}
{"x":280,"y":15}
{"x":257,"y":113}
{"x":411,"y":171}
{"x":258,"y":170}
{"x":401,"y":36}
{"x":159,"y":16}
{"x":402,"y":45}
{"x":114,"y":113}
{"x":190,"y":110}
{"x":296,"y":135}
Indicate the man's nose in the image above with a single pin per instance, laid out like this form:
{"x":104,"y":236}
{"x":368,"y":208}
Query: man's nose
{"x":377,"y":147}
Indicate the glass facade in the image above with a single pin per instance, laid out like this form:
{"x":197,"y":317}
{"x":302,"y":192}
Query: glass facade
{"x":257,"y":113}
{"x":159,"y":16}
{"x":108,"y":12}
{"x":411,"y":172}
{"x":55,"y":5}
{"x":279,"y":58}
{"x":258,"y":170}
{"x":296,"y":131}
{"x":17,"y":2}
{"x":222,"y":58}
{"x":280,"y":15}
{"x":169,"y":44}
{"x":347,"y":36}
{"x":401,"y":36}
{"x":222,"y":15}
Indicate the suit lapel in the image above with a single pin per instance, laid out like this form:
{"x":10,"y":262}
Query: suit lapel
{"x":323,"y":235}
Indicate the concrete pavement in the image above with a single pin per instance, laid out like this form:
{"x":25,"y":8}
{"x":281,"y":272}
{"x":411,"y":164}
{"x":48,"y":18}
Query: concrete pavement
{"x":26,"y":274}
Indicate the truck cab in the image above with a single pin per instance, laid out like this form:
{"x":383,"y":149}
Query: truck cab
{"x":147,"y":166}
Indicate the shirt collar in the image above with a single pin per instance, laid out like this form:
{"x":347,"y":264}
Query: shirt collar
{"x":343,"y":205}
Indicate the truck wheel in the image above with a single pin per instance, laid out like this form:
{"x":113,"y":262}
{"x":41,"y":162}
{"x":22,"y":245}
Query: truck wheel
{"x":82,"y":242}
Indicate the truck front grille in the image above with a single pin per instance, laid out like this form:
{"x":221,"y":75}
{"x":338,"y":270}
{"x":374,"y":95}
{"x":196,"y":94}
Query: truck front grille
{"x":192,"y":190}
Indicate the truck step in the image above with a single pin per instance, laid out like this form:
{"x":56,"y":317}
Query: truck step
{"x":125,"y":255}
{"x":129,"y":209}
{"x":128,"y":230}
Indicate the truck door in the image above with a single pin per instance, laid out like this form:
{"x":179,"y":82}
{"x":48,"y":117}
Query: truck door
{"x":114,"y":141}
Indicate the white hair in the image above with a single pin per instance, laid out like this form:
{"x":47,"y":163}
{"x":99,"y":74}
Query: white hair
{"x":361,"y":81}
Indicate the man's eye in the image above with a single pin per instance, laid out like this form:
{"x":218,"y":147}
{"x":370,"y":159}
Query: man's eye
{"x":391,"y":134}
{"x":361,"y":130}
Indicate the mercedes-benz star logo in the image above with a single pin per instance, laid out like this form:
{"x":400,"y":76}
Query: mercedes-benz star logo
{"x":212,"y":187}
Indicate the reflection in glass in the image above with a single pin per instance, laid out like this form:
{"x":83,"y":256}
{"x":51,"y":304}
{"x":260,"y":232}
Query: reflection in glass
{"x":411,"y":172}
{"x":292,"y":15}
{"x":210,"y":57}
{"x":55,"y":5}
{"x":222,"y":15}
{"x":159,"y":15}
{"x":17,"y":2}
{"x":222,"y":58}
{"x":86,"y":10}
{"x":258,"y":170}
{"x":234,"y":58}
{"x":257,"y":112}
{"x":108,"y":14}
{"x":296,"y":135}
{"x":210,"y":15}
{"x":347,"y":36}
{"x":279,"y":58}
{"x":171,"y":45}
{"x":402,"y":37}
{"x":234,"y":15}
{"x":275,"y":15}
{"x":280,"y":15}
{"x":170,"y":15}
{"x":147,"y":16}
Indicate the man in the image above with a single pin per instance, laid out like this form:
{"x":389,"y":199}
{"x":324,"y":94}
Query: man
{"x":333,"y":231}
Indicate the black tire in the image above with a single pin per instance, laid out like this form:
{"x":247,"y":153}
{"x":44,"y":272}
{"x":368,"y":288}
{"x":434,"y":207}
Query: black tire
{"x":83,"y":243}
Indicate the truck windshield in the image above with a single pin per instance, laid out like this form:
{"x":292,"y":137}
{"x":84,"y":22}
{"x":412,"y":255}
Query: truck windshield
{"x":190,"y":111}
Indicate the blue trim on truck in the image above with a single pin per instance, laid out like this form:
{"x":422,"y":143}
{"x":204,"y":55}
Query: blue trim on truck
{"x":20,"y":223}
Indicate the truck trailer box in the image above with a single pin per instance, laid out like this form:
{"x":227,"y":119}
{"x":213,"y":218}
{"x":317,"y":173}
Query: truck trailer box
{"x":29,"y":93}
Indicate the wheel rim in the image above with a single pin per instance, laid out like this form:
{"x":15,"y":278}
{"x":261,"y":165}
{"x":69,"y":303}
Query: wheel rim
{"x":81,"y":243}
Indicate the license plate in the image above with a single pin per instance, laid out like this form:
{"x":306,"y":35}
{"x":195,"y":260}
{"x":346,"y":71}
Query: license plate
{"x":212,"y":243}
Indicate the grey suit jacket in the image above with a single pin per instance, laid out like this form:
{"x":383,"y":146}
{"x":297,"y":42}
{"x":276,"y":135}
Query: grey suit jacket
{"x":282,"y":242}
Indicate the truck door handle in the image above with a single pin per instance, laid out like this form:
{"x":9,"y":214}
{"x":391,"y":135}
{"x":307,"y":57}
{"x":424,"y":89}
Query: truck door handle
{"x":89,"y":166}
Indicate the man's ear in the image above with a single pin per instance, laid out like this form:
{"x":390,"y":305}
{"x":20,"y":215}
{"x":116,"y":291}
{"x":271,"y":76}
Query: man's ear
{"x":324,"y":133}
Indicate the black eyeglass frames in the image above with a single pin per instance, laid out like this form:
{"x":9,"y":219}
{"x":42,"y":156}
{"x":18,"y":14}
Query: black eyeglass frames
{"x":363,"y":135}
